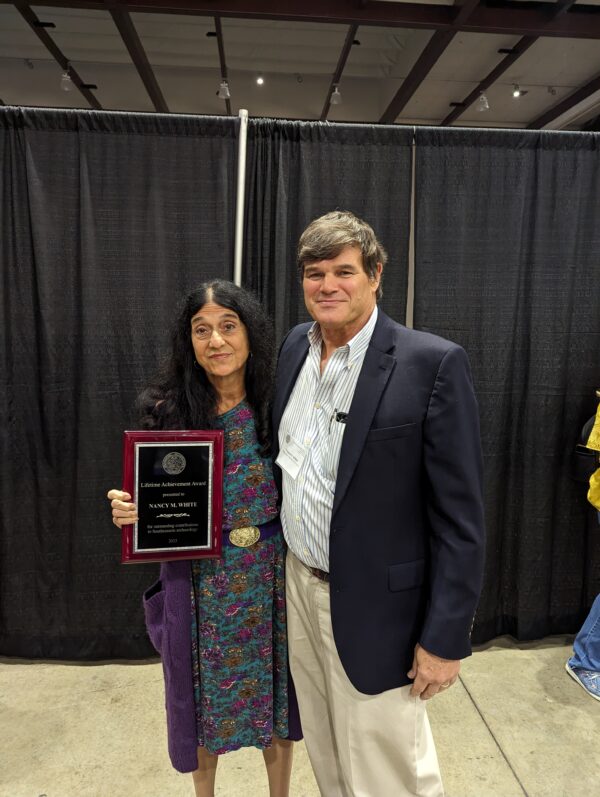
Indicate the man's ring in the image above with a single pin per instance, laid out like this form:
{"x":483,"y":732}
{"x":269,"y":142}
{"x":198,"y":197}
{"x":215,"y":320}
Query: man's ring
{"x":445,"y":686}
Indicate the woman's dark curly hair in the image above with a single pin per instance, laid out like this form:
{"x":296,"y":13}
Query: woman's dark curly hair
{"x":181,"y":397}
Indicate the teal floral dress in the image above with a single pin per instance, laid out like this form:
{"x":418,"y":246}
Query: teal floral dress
{"x":239,"y":645}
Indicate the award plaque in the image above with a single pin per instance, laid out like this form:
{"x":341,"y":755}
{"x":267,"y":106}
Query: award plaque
{"x":175,"y":478}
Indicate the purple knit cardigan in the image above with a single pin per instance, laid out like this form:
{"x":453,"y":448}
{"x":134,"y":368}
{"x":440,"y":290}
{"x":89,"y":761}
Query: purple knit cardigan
{"x":168,"y":610}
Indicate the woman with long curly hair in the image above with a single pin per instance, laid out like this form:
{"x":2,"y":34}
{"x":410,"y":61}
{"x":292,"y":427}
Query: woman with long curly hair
{"x":219,"y":624}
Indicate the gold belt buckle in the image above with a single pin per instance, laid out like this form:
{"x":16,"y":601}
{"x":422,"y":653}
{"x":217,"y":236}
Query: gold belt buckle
{"x":244,"y":537}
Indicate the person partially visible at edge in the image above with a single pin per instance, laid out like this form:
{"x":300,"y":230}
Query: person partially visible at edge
{"x":376,"y":439}
{"x":220,"y":624}
{"x":584,"y":665}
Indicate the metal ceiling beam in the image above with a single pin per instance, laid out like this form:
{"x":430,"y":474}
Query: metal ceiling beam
{"x":425,"y":62}
{"x":435,"y":47}
{"x":560,"y":8}
{"x":509,"y":18}
{"x":32,"y":20}
{"x":337,"y":11}
{"x":222,"y":61}
{"x":138,"y":55}
{"x":464,"y":9}
{"x":349,"y":41}
{"x":535,"y":21}
{"x":569,"y":102}
{"x":517,"y":51}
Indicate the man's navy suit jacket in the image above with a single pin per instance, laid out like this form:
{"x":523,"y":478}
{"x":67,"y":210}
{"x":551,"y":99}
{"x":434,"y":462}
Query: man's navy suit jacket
{"x":407,"y":532}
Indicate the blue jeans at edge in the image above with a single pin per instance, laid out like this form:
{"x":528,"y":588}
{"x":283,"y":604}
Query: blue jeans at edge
{"x":586,"y":648}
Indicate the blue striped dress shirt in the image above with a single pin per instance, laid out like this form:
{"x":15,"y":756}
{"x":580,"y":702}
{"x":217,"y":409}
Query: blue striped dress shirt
{"x":314,"y":418}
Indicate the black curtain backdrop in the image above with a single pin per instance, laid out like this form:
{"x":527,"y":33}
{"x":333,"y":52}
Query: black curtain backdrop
{"x":507,"y":264}
{"x":107,"y":219}
{"x":297,"y":171}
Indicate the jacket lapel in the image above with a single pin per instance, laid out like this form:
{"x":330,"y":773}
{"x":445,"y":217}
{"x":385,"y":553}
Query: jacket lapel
{"x":375,"y":372}
{"x":286,"y":379}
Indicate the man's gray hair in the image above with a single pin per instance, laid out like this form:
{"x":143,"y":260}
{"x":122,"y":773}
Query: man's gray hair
{"x":325,"y":237}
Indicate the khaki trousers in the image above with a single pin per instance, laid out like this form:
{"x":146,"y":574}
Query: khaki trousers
{"x":359,"y":745}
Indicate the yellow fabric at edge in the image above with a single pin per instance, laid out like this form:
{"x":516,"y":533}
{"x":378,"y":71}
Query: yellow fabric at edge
{"x":594,"y":491}
{"x":594,"y":438}
{"x":594,"y":443}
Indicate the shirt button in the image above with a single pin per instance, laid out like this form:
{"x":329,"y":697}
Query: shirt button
{"x":317,"y":405}
{"x":307,"y":442}
{"x":297,"y":517}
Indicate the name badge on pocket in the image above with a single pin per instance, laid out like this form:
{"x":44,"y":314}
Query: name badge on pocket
{"x":291,"y":457}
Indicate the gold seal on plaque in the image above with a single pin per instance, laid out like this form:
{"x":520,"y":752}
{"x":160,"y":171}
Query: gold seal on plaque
{"x":245,"y":536}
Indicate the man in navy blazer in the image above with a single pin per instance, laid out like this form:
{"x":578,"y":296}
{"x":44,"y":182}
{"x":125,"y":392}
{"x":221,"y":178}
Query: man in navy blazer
{"x":376,"y":436}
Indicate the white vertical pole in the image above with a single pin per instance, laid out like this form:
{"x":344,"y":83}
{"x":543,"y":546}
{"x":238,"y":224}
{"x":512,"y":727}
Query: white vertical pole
{"x":410,"y":286}
{"x":240,"y":196}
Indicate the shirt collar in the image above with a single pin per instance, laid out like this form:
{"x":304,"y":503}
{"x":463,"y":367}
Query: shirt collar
{"x":356,"y":346}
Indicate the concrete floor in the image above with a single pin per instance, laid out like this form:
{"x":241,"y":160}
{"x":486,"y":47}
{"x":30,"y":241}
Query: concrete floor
{"x":515,"y":724}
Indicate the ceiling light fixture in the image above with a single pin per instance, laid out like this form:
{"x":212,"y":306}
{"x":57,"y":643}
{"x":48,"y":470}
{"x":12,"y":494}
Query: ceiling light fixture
{"x":223,"y":93}
{"x":336,"y":96}
{"x":66,"y":83}
{"x":482,"y":103}
{"x":517,"y":91}
{"x":260,"y":80}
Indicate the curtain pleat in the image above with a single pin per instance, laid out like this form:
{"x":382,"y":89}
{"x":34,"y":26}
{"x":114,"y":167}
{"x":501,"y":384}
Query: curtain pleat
{"x":107,"y":219}
{"x":508,"y":265}
{"x":298,"y":171}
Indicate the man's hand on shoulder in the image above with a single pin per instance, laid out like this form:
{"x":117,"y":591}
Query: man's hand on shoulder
{"x":431,"y":673}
